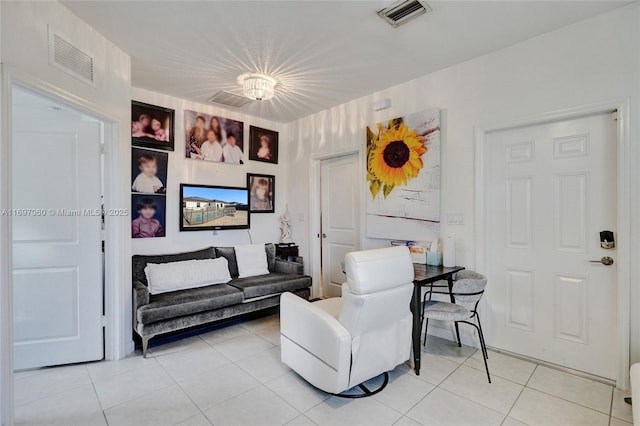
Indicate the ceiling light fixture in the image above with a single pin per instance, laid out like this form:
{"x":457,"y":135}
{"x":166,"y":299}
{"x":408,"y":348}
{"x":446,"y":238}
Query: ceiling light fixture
{"x":258,"y":87}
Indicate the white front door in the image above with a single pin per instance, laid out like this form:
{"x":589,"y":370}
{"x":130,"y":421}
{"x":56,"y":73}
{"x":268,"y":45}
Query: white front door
{"x":57,"y":256}
{"x":550,"y":190}
{"x":339,"y":179}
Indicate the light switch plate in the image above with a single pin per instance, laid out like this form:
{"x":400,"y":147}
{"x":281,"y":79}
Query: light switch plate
{"x":455,"y":219}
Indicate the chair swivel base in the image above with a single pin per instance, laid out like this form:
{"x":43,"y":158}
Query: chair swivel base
{"x":366,"y":392}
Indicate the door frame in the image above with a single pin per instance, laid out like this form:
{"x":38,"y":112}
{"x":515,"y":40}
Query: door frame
{"x":624,"y":207}
{"x":315,"y":206}
{"x":116,"y":342}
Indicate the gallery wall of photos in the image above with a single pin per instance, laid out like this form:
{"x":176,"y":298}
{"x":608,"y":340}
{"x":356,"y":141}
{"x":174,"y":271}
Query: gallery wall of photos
{"x":208,"y":138}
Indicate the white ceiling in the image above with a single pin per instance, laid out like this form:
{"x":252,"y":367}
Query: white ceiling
{"x":323,"y":53}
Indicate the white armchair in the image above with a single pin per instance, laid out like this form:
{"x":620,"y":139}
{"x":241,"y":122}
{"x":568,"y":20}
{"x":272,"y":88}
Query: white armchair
{"x":339,"y":343}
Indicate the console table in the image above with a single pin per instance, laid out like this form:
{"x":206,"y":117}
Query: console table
{"x":424,"y":275}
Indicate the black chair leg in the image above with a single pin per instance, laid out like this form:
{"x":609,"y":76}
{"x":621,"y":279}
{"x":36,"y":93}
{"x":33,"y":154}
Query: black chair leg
{"x":483,"y":347}
{"x":482,"y":342}
{"x":458,"y":335}
{"x":426,"y":327}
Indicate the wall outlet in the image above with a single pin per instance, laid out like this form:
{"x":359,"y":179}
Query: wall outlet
{"x":455,"y":219}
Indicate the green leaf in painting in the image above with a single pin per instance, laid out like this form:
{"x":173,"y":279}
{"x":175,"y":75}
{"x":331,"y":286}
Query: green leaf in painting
{"x":387,"y":189}
{"x":374,"y":188}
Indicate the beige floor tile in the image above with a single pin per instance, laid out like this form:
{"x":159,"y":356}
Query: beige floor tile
{"x":301,"y":420}
{"x":403,"y":392}
{"x":197,"y":420}
{"x":353,"y":412}
{"x":512,"y":422}
{"x":165,"y":407}
{"x":271,"y":333}
{"x":265,"y":365}
{"x":504,"y":366}
{"x":180,"y":345}
{"x":618,"y":422}
{"x":242,"y":347}
{"x":75,"y":407}
{"x":297,"y":391}
{"x":259,"y":406}
{"x":588,"y":393}
{"x":472,"y":384}
{"x":214,"y":386}
{"x":442,"y":408}
{"x":131,"y":385}
{"x":433,"y":369}
{"x":406,"y":421}
{"x":50,"y":382}
{"x":187,"y":364}
{"x":536,"y":408}
{"x":224,"y":333}
{"x":105,"y":369}
{"x":621,"y":409}
{"x":448,"y":349}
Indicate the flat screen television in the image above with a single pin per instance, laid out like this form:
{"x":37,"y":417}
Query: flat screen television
{"x":206,"y":208}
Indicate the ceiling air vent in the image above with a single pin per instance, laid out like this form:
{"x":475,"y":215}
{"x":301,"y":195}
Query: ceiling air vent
{"x":68,"y":58}
{"x":229,"y":99}
{"x":403,"y":11}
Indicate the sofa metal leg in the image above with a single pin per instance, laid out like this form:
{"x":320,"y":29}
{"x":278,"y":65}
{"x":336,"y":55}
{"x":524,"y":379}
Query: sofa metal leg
{"x":145,"y":346}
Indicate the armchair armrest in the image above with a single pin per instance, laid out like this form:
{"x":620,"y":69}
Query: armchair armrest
{"x":286,"y":267}
{"x":315,"y":330}
{"x":140,"y":295}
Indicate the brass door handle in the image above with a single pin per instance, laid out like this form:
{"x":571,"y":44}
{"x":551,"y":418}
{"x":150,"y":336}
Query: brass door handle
{"x":606,"y":260}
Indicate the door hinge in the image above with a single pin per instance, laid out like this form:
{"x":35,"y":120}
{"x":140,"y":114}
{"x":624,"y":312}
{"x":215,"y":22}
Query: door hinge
{"x":103,"y":321}
{"x":102,"y":148}
{"x":614,"y":115}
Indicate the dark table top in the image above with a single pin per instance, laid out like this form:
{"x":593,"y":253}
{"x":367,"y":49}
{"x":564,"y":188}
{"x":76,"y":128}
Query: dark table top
{"x":425,"y":274}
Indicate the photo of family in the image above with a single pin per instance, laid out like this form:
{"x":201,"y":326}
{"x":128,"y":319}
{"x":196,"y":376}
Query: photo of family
{"x":261,"y":193}
{"x":148,"y":216}
{"x":152,"y":126}
{"x":148,"y":171}
{"x":263,"y":145}
{"x":212,"y":138}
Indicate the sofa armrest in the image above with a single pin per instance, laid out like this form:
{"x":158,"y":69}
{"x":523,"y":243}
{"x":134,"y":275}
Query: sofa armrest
{"x":315,"y":330}
{"x":286,"y":267}
{"x":140,"y":295}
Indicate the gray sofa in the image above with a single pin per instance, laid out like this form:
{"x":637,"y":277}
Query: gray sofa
{"x":163,"y":313}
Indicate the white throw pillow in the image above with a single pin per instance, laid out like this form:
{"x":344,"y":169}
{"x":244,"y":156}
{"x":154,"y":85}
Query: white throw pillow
{"x":173,"y":276}
{"x":252,"y":260}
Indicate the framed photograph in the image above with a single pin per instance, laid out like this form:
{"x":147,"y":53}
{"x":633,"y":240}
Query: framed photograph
{"x":213,"y":138}
{"x":148,"y":215}
{"x":207,"y":207}
{"x":152,"y":126}
{"x":148,"y":171}
{"x":262,"y":189}
{"x":263,"y":145}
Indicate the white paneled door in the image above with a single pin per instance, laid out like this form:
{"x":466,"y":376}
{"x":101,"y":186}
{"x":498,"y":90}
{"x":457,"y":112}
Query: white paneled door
{"x":339,"y":186}
{"x":550,"y":190}
{"x":57,"y":256}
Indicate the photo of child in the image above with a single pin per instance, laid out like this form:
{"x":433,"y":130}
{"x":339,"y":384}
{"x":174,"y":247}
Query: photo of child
{"x":263,"y":145}
{"x":213,"y":138}
{"x":148,"y":216}
{"x":148,"y":171}
{"x":152,"y":126}
{"x":261,"y":193}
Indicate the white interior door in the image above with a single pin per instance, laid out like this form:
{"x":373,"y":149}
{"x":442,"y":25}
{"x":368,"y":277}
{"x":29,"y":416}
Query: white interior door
{"x":340,"y":223}
{"x":551,"y":189}
{"x":57,"y":256}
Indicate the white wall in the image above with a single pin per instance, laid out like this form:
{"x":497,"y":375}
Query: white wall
{"x":590,"y":62}
{"x":264,"y":226}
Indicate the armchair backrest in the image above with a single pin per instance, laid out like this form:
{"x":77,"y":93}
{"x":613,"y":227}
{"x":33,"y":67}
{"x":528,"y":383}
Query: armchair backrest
{"x":378,"y":290}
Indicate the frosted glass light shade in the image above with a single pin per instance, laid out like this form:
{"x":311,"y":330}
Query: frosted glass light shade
{"x":258,"y":87}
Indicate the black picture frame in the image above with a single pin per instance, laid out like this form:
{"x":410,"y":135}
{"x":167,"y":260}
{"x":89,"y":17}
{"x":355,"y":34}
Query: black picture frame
{"x":154,"y":227}
{"x":142,"y":135}
{"x":255,"y":204}
{"x":213,"y":196}
{"x":256,"y":135}
{"x":138,"y":157}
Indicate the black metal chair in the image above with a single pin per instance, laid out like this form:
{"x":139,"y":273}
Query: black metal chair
{"x":468,"y":289}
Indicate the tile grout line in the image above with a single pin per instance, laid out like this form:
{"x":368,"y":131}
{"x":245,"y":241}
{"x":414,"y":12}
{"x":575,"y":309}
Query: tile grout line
{"x":520,"y":394}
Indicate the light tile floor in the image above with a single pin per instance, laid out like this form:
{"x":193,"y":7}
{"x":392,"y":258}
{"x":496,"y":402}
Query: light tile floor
{"x":233,"y":376}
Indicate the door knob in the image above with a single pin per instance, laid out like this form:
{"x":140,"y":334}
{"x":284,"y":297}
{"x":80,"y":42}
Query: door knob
{"x":324,"y":235}
{"x":606,"y":260}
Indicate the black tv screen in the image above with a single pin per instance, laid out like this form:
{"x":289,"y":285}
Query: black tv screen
{"x":206,"y":208}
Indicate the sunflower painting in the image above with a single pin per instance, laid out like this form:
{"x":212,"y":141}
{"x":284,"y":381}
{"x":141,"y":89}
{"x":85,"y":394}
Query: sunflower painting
{"x":403,"y":177}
